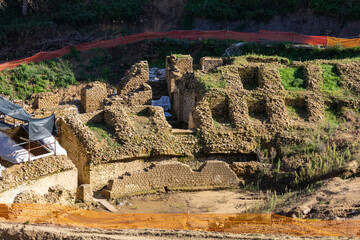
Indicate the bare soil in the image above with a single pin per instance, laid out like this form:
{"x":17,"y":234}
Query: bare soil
{"x":336,"y":199}
{"x":224,"y":201}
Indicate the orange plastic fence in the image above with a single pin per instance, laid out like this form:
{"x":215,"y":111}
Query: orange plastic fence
{"x":352,"y":42}
{"x":191,"y":35}
{"x":234,"y":223}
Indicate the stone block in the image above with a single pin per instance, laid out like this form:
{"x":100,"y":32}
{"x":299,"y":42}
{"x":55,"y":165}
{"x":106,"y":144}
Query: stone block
{"x":92,"y":96}
{"x":46,"y":100}
{"x":84,"y":193}
{"x":134,"y":78}
{"x":208,"y":63}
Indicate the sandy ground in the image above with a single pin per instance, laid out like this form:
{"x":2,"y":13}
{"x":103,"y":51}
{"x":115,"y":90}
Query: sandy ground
{"x":225,"y":201}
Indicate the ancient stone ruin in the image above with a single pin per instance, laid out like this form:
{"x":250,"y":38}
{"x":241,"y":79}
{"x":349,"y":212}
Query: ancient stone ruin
{"x":222,"y":112}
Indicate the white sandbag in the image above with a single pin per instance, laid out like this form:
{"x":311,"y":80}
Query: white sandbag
{"x":49,"y":142}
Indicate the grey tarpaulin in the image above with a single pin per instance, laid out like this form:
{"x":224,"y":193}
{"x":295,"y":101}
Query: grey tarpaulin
{"x":38,"y":128}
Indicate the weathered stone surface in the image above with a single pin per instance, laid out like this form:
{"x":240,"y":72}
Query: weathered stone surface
{"x":313,"y":77}
{"x":55,"y":195}
{"x":92,"y":96}
{"x":209,"y":63}
{"x":245,"y":169}
{"x":175,"y":67}
{"x":84,"y":193}
{"x":350,"y":75}
{"x":315,"y":107}
{"x":45,"y":100}
{"x":173,"y":175}
{"x":134,"y":78}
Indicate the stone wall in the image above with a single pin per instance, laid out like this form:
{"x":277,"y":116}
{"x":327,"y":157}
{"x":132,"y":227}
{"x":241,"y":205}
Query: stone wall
{"x":101,"y":174}
{"x":209,"y":63}
{"x":59,"y":110}
{"x":184,"y":97}
{"x":270,"y":84}
{"x":173,"y":175}
{"x":313,"y":77}
{"x":133,"y":89}
{"x":46,"y":100}
{"x":92,"y":96}
{"x":350,"y":75}
{"x":137,"y":75}
{"x":315,"y":107}
{"x":75,"y":150}
{"x":175,"y":67}
{"x":38,"y":175}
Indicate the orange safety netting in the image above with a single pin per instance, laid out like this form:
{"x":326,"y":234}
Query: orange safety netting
{"x":345,"y":42}
{"x":233,"y":223}
{"x":192,"y":35}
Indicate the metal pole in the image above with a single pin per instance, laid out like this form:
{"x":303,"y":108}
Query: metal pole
{"x":29,"y":149}
{"x":55,"y":146}
{"x":14,"y":102}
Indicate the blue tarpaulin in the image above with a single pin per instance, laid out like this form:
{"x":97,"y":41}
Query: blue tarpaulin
{"x":39,"y":128}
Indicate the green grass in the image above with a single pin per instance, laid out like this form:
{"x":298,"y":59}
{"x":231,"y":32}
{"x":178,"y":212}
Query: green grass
{"x":104,"y":132}
{"x":292,"y":78}
{"x":220,"y":121}
{"x":332,"y":116}
{"x":212,"y":80}
{"x":296,"y":112}
{"x":331,"y":78}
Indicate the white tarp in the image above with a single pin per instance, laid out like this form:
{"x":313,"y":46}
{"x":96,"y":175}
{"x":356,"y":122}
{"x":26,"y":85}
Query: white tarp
{"x":163,"y":102}
{"x":156,"y":74}
{"x":49,"y":142}
{"x":9,"y":150}
{"x":2,"y":168}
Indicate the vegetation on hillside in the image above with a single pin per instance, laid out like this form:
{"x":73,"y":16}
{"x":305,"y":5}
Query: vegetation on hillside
{"x":105,"y":65}
{"x":261,"y":10}
{"x":41,"y":14}
{"x":31,"y":78}
{"x":287,"y":50}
